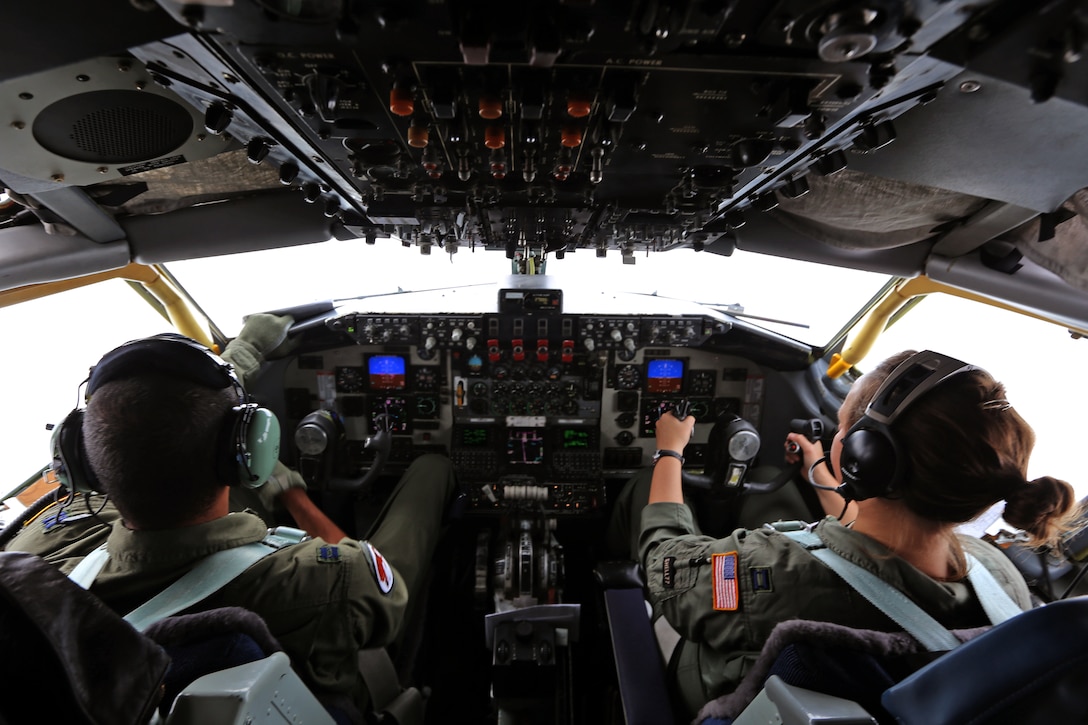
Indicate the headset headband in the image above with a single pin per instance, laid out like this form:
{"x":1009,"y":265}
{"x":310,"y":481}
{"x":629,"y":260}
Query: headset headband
{"x":872,"y":462}
{"x":168,"y":353}
{"x":911,"y":379}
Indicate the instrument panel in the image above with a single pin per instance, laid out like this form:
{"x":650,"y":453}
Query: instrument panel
{"x":535,"y":409}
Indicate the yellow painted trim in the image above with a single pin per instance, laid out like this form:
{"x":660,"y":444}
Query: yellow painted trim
{"x":867,"y":332}
{"x":177,"y":309}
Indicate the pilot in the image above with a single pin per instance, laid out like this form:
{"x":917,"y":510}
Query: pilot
{"x":963,"y":448}
{"x":158,"y":438}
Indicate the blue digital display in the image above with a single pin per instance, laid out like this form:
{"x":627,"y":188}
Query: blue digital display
{"x":387,"y":372}
{"x":664,"y":376}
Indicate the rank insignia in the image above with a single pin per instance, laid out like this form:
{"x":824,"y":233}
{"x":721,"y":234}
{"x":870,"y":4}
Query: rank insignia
{"x":761,"y":579}
{"x":328,"y":553}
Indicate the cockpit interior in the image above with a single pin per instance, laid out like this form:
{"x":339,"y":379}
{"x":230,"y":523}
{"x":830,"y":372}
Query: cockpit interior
{"x":938,"y":143}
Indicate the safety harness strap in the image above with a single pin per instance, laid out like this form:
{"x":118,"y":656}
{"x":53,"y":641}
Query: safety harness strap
{"x":992,"y":596}
{"x":209,"y":575}
{"x":908,"y":615}
{"x":87,"y":570}
{"x":998,"y":605}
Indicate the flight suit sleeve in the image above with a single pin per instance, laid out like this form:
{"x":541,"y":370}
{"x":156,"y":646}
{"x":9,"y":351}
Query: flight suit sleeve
{"x":324,"y":602}
{"x":694,"y":579}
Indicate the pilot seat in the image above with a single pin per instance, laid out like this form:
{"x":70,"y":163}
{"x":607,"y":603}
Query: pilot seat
{"x":77,"y":661}
{"x":1028,"y":669}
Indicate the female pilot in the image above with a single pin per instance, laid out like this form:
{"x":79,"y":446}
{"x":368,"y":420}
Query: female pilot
{"x":952,"y":447}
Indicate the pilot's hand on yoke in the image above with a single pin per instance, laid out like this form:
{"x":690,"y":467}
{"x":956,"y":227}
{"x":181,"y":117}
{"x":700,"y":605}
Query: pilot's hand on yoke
{"x":283,"y":479}
{"x":800,"y":448}
{"x":673,"y":434}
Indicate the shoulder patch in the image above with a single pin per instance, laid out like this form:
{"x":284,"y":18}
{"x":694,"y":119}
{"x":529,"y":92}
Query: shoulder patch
{"x":383,"y":573}
{"x":724,"y":568}
{"x":328,"y":553}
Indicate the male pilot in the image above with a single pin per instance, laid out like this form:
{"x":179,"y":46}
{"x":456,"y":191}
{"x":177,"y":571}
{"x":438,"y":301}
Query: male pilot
{"x":157,"y":437}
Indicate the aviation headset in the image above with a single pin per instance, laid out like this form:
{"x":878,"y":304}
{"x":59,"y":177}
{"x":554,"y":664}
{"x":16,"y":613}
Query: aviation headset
{"x":249,"y":441}
{"x":872,"y":462}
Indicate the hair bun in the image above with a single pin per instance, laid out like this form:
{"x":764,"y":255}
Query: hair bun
{"x":1040,"y":506}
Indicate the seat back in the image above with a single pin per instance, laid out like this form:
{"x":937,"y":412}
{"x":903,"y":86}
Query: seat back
{"x":72,"y":658}
{"x":1029,"y":669}
{"x":846,"y":663}
{"x":204,"y":642}
{"x":67,"y":654}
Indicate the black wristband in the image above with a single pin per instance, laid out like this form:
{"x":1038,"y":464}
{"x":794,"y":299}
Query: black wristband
{"x":666,"y":452}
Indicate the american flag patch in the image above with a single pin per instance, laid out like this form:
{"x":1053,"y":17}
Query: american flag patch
{"x":724,"y":567}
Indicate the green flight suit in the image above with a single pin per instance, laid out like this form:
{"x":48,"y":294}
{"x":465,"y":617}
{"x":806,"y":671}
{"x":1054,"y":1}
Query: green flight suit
{"x":322,"y":603}
{"x":775,"y":580}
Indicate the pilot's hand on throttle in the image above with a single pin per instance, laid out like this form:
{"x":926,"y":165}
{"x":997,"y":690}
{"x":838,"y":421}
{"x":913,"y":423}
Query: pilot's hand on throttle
{"x":673,"y":434}
{"x":282,"y":479}
{"x":263,"y":337}
{"x":808,"y":452}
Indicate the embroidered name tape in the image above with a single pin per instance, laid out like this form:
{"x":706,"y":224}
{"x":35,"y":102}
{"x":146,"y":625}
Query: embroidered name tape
{"x":383,"y":573}
{"x":726,"y":595}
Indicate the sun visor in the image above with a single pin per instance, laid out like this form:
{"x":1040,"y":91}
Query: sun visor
{"x":29,"y":255}
{"x":263,"y":221}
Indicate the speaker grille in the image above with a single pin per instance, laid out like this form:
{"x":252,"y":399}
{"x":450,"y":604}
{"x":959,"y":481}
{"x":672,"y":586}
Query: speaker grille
{"x":113,"y":127}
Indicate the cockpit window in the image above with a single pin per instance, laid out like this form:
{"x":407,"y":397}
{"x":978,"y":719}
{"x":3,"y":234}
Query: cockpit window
{"x":51,"y":344}
{"x":801,"y":300}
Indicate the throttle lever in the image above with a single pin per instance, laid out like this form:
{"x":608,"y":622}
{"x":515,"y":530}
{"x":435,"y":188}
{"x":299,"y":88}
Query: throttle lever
{"x":811,"y":428}
{"x":681,"y":409}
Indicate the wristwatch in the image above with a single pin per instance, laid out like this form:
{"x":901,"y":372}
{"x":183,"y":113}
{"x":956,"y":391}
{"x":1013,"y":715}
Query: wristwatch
{"x":664,"y":452}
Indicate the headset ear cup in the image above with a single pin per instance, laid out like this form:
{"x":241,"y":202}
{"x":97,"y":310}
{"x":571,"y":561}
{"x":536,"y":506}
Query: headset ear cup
{"x":70,"y":458}
{"x":252,"y":445}
{"x":870,"y":463}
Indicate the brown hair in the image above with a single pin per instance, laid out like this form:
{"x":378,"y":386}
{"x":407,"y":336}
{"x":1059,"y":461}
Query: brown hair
{"x":968,"y":449}
{"x":154,"y":443}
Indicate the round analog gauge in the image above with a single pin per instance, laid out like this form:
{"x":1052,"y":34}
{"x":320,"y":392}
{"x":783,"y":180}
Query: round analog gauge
{"x":700,"y":409}
{"x":701,"y":382}
{"x":426,"y":379}
{"x":426,"y":406}
{"x":349,"y":379}
{"x":627,"y":377}
{"x":479,"y":389}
